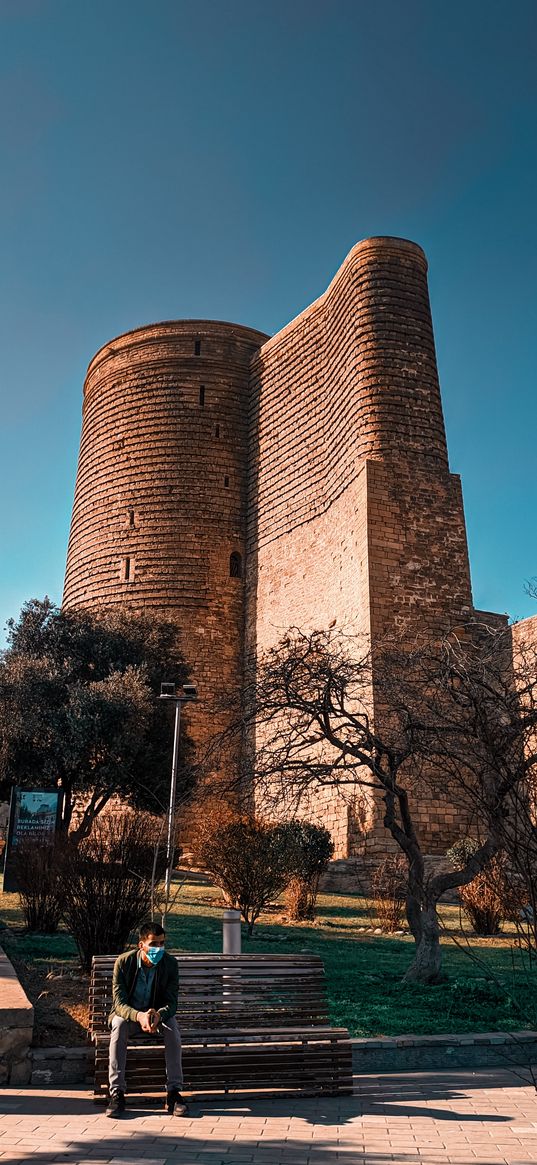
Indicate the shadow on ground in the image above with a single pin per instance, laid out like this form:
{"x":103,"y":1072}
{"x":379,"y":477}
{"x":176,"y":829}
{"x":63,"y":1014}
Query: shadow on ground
{"x":272,"y":1130}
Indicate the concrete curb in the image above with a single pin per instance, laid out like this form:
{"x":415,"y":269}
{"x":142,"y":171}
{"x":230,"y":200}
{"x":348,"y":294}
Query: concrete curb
{"x":16,"y":1027}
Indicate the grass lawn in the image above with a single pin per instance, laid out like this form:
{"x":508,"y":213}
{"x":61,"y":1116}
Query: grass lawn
{"x":364,"y":971}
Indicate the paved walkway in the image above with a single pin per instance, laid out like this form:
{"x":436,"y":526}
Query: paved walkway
{"x":426,"y":1118}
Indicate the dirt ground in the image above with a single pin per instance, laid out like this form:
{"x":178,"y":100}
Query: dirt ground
{"x":60,"y":998}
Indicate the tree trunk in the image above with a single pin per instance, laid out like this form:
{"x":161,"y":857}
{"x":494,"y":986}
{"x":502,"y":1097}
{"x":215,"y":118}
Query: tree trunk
{"x":67,"y":808}
{"x":413,"y":914}
{"x":427,"y":965}
{"x":91,"y":812}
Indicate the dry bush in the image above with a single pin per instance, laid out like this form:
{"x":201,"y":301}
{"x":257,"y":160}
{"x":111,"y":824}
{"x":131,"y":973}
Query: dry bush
{"x":481,"y":903}
{"x":39,"y":878}
{"x":297,"y":902}
{"x":389,"y":888}
{"x":108,"y":885}
{"x":492,"y":895}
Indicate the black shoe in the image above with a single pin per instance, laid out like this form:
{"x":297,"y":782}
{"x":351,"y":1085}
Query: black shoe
{"x":116,"y":1103}
{"x":175,"y":1104}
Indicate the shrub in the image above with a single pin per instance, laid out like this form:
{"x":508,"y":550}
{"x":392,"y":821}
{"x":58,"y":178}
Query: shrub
{"x":487,"y":899}
{"x":39,"y":877}
{"x":108,"y":882}
{"x":247,"y":858}
{"x":309,"y":848}
{"x":389,"y":887}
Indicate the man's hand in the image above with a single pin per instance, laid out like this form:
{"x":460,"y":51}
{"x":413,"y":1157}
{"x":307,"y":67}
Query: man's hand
{"x":148,"y":1020}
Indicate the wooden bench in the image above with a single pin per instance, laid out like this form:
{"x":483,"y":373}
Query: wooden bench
{"x":248,"y":1023}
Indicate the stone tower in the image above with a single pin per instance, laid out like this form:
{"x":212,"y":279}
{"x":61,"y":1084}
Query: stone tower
{"x":159,"y":517}
{"x":243,"y":485}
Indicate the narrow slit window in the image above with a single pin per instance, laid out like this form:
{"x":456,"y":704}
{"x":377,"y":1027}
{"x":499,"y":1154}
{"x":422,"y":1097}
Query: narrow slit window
{"x":202,"y":395}
{"x":217,"y":430}
{"x":127,"y":569}
{"x":226,"y":482}
{"x":130,"y":516}
{"x":235,"y":565}
{"x":197,"y":347}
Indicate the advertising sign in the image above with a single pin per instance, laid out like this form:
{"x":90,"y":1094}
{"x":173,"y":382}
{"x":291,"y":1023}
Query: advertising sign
{"x":34,"y":815}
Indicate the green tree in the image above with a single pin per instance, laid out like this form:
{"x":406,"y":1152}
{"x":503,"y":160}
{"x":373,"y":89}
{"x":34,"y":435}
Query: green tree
{"x":78,"y":709}
{"x":249,"y":859}
{"x":310,"y":850}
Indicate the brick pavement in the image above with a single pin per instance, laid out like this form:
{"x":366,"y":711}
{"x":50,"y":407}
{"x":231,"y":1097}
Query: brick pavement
{"x":424,"y":1118}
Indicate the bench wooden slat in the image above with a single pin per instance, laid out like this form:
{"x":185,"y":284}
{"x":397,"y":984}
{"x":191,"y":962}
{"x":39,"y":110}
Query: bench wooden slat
{"x":247,"y":1021}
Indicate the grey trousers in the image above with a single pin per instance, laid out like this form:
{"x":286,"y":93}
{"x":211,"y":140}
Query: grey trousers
{"x":121,"y":1030}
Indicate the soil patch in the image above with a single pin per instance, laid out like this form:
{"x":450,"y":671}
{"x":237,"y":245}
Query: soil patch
{"x":59,"y":994}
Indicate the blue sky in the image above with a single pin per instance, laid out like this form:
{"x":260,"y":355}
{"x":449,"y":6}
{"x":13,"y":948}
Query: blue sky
{"x":218,"y":159}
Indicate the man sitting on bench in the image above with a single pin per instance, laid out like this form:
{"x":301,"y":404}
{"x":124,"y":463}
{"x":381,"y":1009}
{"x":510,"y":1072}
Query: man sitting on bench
{"x":145,"y":987}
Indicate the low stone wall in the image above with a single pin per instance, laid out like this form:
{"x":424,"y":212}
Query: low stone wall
{"x":62,"y":1066}
{"x":469,"y":1050}
{"x":16,"y":1027}
{"x":353,"y":875}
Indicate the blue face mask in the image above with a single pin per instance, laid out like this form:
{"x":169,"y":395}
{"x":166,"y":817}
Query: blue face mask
{"x":154,"y":954}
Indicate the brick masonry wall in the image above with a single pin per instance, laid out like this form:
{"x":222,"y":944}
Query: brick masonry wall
{"x":524,"y":634}
{"x":354,"y":518}
{"x":524,"y":647}
{"x":354,"y":376}
{"x":161,"y":483}
{"x":419,"y":589}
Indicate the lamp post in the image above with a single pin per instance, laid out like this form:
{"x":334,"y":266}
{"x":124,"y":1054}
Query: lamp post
{"x":187,"y":694}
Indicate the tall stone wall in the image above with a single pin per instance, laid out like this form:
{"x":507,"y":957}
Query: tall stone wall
{"x":160,"y":500}
{"x":524,"y":647}
{"x":354,"y":518}
{"x":353,"y":381}
{"x":524,"y":634}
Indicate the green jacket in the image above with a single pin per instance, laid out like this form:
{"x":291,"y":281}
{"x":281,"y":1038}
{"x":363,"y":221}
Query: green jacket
{"x":164,"y":991}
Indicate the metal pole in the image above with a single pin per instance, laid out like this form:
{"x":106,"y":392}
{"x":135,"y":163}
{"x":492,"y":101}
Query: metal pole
{"x":231,"y":932}
{"x":170,"y":843}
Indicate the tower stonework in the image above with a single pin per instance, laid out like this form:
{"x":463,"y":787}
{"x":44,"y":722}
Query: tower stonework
{"x":354,"y":518}
{"x":243,"y":485}
{"x":353,"y":513}
{"x":160,"y":498}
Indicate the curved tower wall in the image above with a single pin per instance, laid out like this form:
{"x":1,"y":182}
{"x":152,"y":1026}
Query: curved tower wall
{"x":160,"y":501}
{"x":355,"y":521}
{"x":346,"y":398}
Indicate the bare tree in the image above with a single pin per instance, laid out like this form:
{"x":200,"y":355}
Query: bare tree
{"x":456,"y":719}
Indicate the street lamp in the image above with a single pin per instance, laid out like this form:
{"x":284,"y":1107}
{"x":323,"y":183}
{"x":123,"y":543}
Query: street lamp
{"x":187,"y":693}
